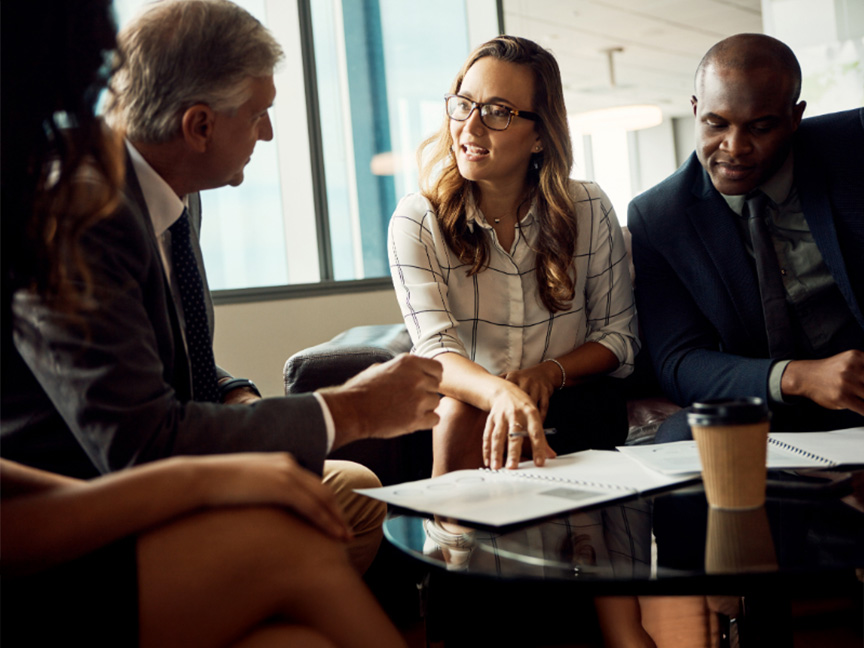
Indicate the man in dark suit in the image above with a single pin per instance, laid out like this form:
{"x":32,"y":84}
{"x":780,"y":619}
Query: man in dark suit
{"x":131,"y":378}
{"x":709,"y":320}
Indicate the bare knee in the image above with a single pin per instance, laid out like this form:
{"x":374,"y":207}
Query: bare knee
{"x":284,"y":635}
{"x":190,"y":572}
{"x":457,"y":439}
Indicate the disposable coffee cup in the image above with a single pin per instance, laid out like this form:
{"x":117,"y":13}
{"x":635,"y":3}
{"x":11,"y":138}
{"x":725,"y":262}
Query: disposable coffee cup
{"x":732,"y":437}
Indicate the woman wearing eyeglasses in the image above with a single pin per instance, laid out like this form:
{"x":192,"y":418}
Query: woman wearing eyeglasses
{"x":512,"y":275}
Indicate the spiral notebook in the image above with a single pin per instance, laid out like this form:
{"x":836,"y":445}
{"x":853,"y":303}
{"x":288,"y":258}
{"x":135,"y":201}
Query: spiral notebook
{"x":502,"y":497}
{"x":785,"y":450}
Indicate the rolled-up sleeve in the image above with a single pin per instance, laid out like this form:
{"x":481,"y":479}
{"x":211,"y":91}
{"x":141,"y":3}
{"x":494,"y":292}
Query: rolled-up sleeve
{"x":610,"y":305}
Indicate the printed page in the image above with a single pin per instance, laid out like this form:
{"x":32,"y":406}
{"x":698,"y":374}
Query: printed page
{"x":607,"y":467}
{"x":509,"y":496}
{"x":676,"y":458}
{"x":489,"y":498}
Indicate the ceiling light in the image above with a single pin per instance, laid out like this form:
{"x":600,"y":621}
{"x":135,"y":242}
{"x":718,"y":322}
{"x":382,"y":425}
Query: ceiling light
{"x":634,"y":117}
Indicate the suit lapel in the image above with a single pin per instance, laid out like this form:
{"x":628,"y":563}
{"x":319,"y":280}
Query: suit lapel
{"x":714,"y":222}
{"x":812,"y":189}
{"x":135,"y":195}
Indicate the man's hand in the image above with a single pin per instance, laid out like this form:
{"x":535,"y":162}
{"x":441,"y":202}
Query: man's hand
{"x":834,"y":383}
{"x":386,"y":400}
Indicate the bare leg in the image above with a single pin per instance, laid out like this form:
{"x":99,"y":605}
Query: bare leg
{"x":621,"y":622}
{"x":220,"y":577}
{"x":678,"y":621}
{"x":457,"y":440}
{"x":284,"y":635}
{"x":364,"y":514}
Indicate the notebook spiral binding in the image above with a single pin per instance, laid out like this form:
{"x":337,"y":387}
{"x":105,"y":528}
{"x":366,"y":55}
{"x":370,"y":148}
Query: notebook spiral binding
{"x":799,"y":451}
{"x":562,"y":480}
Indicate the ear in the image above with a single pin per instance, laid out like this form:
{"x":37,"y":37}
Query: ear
{"x":197,"y":126}
{"x":538,"y":145}
{"x":693,"y":102}
{"x":798,"y":113}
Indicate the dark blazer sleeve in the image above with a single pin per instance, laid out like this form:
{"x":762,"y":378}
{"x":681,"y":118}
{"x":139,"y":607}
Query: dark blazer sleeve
{"x":694,"y":329}
{"x":111,"y":373}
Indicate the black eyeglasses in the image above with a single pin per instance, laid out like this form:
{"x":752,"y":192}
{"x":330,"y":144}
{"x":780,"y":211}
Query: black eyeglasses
{"x":493,"y":116}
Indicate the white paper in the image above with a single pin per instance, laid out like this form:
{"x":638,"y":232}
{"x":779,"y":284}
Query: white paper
{"x":805,"y":450}
{"x":511,"y":496}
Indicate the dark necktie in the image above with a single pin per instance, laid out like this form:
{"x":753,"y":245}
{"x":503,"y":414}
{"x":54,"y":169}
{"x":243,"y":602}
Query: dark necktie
{"x":199,"y":343}
{"x":777,"y":324}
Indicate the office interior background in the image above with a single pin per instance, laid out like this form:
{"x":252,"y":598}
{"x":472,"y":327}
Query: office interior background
{"x":297,"y":253}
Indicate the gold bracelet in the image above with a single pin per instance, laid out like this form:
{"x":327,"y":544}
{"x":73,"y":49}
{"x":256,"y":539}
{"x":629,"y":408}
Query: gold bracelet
{"x":563,"y":373}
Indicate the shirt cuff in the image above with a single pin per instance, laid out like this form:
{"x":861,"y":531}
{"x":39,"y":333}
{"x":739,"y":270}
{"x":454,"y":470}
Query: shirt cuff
{"x":774,"y":379}
{"x":328,"y":420}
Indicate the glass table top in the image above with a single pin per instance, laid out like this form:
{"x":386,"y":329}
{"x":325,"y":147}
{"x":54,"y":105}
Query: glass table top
{"x":668,"y":539}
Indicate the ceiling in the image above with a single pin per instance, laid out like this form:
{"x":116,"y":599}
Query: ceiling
{"x":661,"y":42}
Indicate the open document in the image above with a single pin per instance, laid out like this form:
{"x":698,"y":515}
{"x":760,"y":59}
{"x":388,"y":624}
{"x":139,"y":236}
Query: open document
{"x":502,"y":497}
{"x":785,"y":450}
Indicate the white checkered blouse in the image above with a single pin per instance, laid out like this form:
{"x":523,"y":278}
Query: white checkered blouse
{"x":495,"y":317}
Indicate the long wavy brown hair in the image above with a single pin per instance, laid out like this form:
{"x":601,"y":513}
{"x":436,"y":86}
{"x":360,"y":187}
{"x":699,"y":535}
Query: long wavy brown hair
{"x":61,"y":168}
{"x":547,"y":176}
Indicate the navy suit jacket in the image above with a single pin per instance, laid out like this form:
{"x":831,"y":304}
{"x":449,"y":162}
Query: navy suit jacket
{"x":696,"y":288}
{"x":109,"y":387}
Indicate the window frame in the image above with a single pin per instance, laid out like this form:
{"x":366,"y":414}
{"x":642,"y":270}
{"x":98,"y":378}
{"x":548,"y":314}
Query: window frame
{"x":295,"y":34}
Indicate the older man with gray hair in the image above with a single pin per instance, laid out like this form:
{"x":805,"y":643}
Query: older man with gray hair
{"x":133,"y":379}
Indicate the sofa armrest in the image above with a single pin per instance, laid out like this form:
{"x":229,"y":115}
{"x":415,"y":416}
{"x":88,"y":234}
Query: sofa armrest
{"x":346,"y":355}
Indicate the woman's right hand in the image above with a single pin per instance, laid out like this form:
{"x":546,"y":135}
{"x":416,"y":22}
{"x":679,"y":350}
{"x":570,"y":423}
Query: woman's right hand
{"x":512,"y":416}
{"x":267,"y":478}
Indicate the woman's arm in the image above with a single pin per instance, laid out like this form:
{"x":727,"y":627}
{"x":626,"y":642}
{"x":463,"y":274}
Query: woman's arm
{"x":420,"y":265}
{"x":47,"y":519}
{"x":540,"y":381}
{"x":510,"y":409}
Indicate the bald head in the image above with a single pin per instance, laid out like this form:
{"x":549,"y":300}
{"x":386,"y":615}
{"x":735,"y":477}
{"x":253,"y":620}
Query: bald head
{"x":747,"y":53}
{"x":747,"y":111}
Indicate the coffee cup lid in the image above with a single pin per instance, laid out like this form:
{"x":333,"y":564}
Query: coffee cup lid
{"x":728,"y":412}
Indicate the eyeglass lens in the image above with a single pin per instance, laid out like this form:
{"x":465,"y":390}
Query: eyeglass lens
{"x":493,"y":116}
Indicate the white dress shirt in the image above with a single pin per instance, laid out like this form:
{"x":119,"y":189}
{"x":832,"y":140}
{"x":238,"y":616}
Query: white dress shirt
{"x":495,"y":317}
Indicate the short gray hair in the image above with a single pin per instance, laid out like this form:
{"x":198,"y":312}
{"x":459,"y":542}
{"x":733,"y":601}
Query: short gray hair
{"x":179,"y":53}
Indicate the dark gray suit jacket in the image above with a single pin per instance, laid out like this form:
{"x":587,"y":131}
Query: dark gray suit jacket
{"x":110,"y":387}
{"x":696,"y":288}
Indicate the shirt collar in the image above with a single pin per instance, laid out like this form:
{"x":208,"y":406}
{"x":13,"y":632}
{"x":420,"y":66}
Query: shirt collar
{"x":777,"y":188}
{"x":474,"y":215}
{"x":164,"y":206}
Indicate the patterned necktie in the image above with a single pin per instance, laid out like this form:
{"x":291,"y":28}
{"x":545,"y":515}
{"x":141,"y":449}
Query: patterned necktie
{"x":777,"y":324}
{"x":199,"y":343}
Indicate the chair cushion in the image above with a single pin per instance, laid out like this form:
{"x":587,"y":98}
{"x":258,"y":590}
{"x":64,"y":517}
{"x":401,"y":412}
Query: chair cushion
{"x":347,"y":354}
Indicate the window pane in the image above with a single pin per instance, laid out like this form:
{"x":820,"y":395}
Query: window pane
{"x":381,"y":80}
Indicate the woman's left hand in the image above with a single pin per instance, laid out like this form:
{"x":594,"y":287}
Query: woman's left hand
{"x":539,"y":382}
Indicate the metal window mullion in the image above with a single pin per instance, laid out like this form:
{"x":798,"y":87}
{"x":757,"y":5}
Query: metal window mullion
{"x":316,"y":147}
{"x":348,"y":142}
